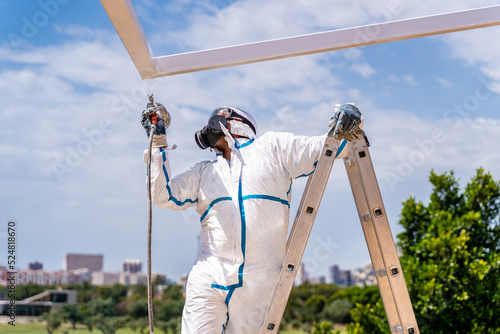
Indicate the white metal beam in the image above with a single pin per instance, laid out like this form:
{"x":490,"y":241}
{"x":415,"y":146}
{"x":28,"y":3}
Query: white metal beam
{"x":130,"y":31}
{"x":123,"y":16}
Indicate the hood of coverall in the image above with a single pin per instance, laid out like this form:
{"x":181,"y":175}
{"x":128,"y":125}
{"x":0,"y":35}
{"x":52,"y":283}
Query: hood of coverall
{"x":241,"y":123}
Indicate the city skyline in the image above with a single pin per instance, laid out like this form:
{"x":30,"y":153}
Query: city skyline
{"x":135,"y":266}
{"x":78,"y":268}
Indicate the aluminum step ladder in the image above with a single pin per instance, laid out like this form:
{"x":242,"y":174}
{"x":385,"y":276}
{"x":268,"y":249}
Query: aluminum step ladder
{"x":375,"y":226}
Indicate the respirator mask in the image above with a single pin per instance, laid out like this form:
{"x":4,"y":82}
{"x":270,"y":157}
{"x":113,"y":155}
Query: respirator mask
{"x":208,"y":136}
{"x":211,"y":133}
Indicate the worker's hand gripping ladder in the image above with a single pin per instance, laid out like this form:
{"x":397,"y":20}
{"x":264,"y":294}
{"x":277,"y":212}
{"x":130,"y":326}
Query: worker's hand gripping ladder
{"x":375,"y":225}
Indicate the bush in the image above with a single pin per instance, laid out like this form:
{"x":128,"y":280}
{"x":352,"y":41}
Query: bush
{"x":324,"y":328}
{"x":368,"y":319}
{"x":338,"y":311}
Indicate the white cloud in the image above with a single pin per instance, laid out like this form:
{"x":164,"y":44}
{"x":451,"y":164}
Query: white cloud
{"x":407,"y":146}
{"x":409,"y":79}
{"x":365,"y":70}
{"x":250,"y":21}
{"x":355,"y":94}
{"x":443,"y":81}
{"x":255,"y":20}
{"x":480,"y":48}
{"x":92,"y":63}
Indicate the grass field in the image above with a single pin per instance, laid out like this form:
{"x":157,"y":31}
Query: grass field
{"x":39,"y":328}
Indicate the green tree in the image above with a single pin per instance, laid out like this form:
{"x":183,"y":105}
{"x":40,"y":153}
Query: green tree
{"x":141,"y":324}
{"x":359,"y":295}
{"x":368,"y":319}
{"x":307,"y":301}
{"x":138,"y":312}
{"x":84,"y":292}
{"x":451,"y":255}
{"x":104,"y":307}
{"x":102,"y":314}
{"x":27,"y":290}
{"x":52,"y":321}
{"x":71,"y":313}
{"x":140,"y":290}
{"x":117,"y":292}
{"x":324,"y":328}
{"x":108,"y":325}
{"x":138,"y":309}
{"x":316,"y":303}
{"x":169,"y":314}
{"x":173,"y":292}
{"x":338,"y":311}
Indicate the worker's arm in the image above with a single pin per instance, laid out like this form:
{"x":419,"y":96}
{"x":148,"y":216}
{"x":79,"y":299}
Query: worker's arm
{"x":176,"y":193}
{"x":299,"y":154}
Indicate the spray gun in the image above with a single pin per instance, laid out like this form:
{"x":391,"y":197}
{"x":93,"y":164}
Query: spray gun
{"x":156,"y":111}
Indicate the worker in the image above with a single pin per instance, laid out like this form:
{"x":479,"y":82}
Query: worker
{"x":243,"y":199}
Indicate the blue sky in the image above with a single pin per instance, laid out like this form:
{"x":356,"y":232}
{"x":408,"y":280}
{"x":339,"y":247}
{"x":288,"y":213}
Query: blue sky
{"x":71,"y":168}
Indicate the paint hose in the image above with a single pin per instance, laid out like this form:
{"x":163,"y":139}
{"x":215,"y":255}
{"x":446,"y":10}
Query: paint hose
{"x":150,"y":225}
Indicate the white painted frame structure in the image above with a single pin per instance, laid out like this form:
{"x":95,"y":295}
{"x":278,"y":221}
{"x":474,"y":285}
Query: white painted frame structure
{"x":126,"y":23}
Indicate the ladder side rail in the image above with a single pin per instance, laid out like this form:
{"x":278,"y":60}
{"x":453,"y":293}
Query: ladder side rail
{"x":298,"y":239}
{"x":384,"y":237}
{"x":293,"y":230}
{"x":371,"y":240}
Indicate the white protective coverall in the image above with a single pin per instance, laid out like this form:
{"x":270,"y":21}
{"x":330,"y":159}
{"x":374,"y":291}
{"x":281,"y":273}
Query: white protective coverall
{"x":244,"y":206}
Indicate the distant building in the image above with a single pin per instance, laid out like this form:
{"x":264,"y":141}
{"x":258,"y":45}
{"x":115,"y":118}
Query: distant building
{"x":3,"y":275}
{"x":358,"y":277}
{"x":104,"y":278}
{"x":347,"y":278}
{"x":183,"y":281}
{"x":47,"y":301}
{"x":62,"y":277}
{"x":317,"y":280}
{"x":134,"y":278}
{"x":336,"y":275}
{"x":340,"y":277}
{"x":302,"y":277}
{"x":131,"y":266}
{"x":44,"y":278}
{"x":364,"y":276}
{"x":35,"y":266}
{"x":92,"y":262}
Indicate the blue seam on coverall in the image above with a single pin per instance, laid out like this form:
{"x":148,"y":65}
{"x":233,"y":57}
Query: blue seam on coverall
{"x":341,"y":147}
{"x":220,"y":199}
{"x":268,"y":197}
{"x":224,"y":325}
{"x":232,"y":287}
{"x":172,"y":198}
{"x":215,"y":201}
{"x":237,"y":144}
{"x":290,"y":188}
